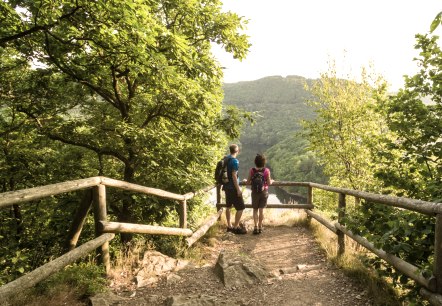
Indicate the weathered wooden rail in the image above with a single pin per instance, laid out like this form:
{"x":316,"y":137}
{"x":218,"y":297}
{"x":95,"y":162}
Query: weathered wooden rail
{"x":431,"y":288}
{"x":95,"y":196}
{"x":43,"y":272}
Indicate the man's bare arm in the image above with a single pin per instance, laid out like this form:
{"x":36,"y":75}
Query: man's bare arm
{"x":235,"y":182}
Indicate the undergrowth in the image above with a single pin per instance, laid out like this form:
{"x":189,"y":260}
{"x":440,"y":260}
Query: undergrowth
{"x":71,"y":286}
{"x":77,"y":282}
{"x":352,"y":264}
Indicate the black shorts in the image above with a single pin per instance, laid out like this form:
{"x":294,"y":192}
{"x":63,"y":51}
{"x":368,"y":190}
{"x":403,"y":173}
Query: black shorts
{"x":232,"y":198}
{"x":259,"y":199}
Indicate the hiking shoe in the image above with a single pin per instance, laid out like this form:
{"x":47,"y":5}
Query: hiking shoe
{"x":255,"y":231}
{"x":240,"y":231}
{"x":260,"y":231}
{"x":230,"y":229}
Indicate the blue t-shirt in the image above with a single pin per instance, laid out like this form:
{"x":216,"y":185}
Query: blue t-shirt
{"x":232,"y":165}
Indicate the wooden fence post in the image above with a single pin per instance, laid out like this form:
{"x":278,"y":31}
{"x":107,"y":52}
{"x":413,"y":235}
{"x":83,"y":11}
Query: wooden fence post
{"x":341,"y":216}
{"x":183,"y":214}
{"x":100,"y":214}
{"x":309,"y":201}
{"x":79,"y":219}
{"x":437,"y":268}
{"x":218,"y":199}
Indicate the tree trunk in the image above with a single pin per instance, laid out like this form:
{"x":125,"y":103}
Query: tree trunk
{"x":17,"y":214}
{"x":125,"y":215}
{"x":18,"y":220}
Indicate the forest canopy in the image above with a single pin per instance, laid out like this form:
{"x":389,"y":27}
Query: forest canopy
{"x":132,"y":85}
{"x":125,"y":89}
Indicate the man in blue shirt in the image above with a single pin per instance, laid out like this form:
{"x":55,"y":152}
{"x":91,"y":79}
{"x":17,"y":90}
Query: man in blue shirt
{"x":233,"y":192}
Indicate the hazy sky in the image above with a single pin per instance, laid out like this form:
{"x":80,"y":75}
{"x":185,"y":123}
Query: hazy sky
{"x":291,"y":37}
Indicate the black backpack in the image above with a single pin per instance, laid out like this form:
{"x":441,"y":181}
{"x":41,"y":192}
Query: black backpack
{"x":221,"y":176}
{"x":258,"y":180}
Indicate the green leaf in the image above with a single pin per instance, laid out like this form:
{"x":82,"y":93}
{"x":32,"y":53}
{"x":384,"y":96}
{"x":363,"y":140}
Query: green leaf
{"x":436,"y":22}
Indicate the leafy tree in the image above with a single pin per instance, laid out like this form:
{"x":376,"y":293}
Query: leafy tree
{"x":410,"y":164}
{"x":437,"y":21}
{"x":406,"y":234}
{"x":414,"y":115}
{"x":345,"y":128}
{"x":133,"y":82}
{"x":124,"y":89}
{"x":28,"y":233}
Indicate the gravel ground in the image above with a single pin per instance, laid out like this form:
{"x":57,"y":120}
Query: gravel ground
{"x":315,"y":282}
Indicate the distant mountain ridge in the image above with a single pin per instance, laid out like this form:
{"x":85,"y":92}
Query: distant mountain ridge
{"x":265,"y":88}
{"x":281,"y":105}
{"x":280,"y":102}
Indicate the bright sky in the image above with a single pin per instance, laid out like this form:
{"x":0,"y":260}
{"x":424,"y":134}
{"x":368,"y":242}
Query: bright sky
{"x":291,"y":37}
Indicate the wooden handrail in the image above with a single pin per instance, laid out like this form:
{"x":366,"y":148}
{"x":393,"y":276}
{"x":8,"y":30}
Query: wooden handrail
{"x":428,"y":208}
{"x":433,"y":298}
{"x":322,"y":220}
{"x":118,"y":227}
{"x":26,"y":195}
{"x":43,"y":272}
{"x":424,"y":207}
{"x":99,"y":199}
{"x":142,"y":189}
{"x":286,"y":206}
{"x":434,"y":284}
{"x":35,"y":193}
{"x":401,"y":265}
{"x":204,"y":228}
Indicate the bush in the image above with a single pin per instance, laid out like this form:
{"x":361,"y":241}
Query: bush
{"x":86,"y":279}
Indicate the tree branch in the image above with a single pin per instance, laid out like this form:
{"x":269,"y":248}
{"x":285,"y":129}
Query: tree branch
{"x":105,"y":95}
{"x":37,"y":28}
{"x":12,"y":129}
{"x":88,"y":146}
{"x":121,"y":106}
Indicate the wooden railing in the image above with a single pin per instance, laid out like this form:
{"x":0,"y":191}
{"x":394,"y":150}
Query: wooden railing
{"x":431,"y":288}
{"x":95,"y":196}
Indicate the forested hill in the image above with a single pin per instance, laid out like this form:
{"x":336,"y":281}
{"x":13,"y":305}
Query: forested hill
{"x":280,"y":103}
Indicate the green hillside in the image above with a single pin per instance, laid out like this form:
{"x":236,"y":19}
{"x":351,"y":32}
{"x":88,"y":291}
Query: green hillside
{"x":280,"y":103}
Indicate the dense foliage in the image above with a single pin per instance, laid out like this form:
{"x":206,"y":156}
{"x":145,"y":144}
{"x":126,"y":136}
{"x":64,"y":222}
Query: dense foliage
{"x":346,"y":127}
{"x":278,"y":102}
{"x":369,"y":141}
{"x":128,"y":90}
{"x":291,"y":160}
{"x":413,"y":161}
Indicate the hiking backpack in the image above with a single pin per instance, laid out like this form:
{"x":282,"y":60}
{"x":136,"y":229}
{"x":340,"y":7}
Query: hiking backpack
{"x":258,"y":180}
{"x":221,"y":176}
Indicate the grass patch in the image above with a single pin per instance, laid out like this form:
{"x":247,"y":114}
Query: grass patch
{"x":285,"y":217}
{"x":351,"y":263}
{"x":201,"y":251}
{"x":71,"y":286}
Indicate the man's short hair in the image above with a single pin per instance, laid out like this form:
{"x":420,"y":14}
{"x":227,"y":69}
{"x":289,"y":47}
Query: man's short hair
{"x":233,"y":148}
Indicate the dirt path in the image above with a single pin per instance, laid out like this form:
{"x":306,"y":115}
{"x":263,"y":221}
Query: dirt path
{"x":282,"y":247}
